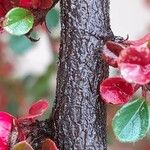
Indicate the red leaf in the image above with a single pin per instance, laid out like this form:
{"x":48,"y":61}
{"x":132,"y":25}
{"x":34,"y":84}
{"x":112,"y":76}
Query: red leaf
{"x":134,"y":64}
{"x":139,"y":42}
{"x":114,"y":47}
{"x":109,"y":57}
{"x":37,"y":109}
{"x":48,"y":144}
{"x":36,"y":4}
{"x":2,"y":11}
{"x":26,"y":3}
{"x":5,"y":5}
{"x":46,"y":3}
{"x":116,"y":90}
{"x":6,"y":125}
{"x":110,"y":60}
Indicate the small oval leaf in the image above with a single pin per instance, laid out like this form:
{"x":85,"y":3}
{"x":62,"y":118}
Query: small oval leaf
{"x":116,"y":90}
{"x":22,"y":146}
{"x":18,"y":21}
{"x":131,"y":122}
{"x":39,"y":107}
{"x":48,"y":144}
{"x":19,"y":44}
{"x":52,"y":19}
{"x":36,"y":110}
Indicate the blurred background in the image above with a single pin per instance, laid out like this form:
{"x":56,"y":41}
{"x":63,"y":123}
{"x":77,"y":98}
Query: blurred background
{"x":28,"y":69}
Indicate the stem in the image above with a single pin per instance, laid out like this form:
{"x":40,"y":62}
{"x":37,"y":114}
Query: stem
{"x":80,"y":121}
{"x":144,"y":92}
{"x":136,"y":87}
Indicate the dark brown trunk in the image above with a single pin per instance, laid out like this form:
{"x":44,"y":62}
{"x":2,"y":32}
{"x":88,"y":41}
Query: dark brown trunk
{"x":80,"y":119}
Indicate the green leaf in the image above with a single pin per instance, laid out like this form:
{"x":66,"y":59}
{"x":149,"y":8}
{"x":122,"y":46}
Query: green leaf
{"x":19,"y":21}
{"x":131,"y":122}
{"x":52,"y":18}
{"x":19,"y":45}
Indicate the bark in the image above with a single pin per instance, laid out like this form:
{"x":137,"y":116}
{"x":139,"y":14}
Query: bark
{"x":80,"y":116}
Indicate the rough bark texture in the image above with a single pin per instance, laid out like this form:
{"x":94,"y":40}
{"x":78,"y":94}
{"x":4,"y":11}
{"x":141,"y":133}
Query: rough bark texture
{"x":80,"y":119}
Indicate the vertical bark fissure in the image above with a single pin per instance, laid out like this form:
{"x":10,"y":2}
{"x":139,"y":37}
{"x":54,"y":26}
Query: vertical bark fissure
{"x":80,"y":121}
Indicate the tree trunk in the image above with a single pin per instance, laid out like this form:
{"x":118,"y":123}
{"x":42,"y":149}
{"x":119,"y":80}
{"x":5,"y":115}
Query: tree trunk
{"x":80,"y":119}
